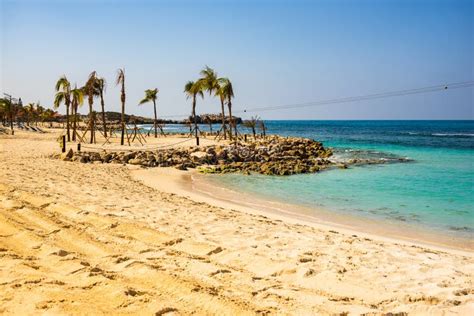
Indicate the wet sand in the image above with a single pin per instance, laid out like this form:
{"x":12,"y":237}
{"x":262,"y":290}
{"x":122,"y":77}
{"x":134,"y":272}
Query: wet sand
{"x":98,"y":238}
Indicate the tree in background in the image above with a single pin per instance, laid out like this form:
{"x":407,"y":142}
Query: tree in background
{"x":210,"y":83}
{"x":226,"y":93}
{"x":77,"y":100}
{"x":192,"y":90}
{"x":100,"y":86}
{"x":252,"y":124}
{"x":120,"y":80}
{"x":91,"y":92}
{"x":63,"y":95}
{"x":150,"y":96}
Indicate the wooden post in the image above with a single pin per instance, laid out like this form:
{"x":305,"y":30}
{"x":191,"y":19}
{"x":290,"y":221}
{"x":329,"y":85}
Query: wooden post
{"x":79,"y":147}
{"x":197,"y":141}
{"x":64,"y":143}
{"x":245,"y":137}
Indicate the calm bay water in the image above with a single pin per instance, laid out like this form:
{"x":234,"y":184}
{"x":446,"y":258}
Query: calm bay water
{"x":435,"y":191}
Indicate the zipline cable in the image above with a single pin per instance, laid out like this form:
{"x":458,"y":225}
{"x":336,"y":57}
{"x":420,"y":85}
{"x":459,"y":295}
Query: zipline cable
{"x":388,"y":94}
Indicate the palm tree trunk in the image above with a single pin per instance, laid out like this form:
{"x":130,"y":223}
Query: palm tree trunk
{"x":155,"y":123}
{"x":224,"y":130}
{"x":103,"y":112}
{"x":74,"y":120}
{"x":11,"y":121}
{"x":67,"y":122}
{"x":123,"y":113}
{"x":229,"y":105}
{"x":195,"y":120}
{"x":91,"y":118}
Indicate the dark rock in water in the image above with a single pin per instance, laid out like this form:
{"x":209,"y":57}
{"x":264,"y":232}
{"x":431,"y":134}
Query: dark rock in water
{"x":460,"y":228}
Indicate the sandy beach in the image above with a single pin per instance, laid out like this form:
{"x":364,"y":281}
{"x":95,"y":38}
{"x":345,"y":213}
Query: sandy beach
{"x":107,"y":238}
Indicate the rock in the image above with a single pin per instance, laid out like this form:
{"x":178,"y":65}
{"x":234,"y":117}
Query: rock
{"x":198,"y":155}
{"x":135,"y":161}
{"x":67,"y":155}
{"x":106,"y":157}
{"x":127,"y":157}
{"x":273,"y":155}
{"x":181,"y":167}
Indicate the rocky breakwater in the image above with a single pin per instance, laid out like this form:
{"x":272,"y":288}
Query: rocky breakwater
{"x":274,"y":155}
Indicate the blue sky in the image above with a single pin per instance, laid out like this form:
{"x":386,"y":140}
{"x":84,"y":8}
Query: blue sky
{"x":275,"y":52}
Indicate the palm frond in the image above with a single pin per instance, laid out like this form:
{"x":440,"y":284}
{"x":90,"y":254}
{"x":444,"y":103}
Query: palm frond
{"x":58,"y":99}
{"x":120,"y":76}
{"x":62,"y":83}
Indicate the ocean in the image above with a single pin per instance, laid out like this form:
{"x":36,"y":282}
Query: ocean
{"x":434,"y":191}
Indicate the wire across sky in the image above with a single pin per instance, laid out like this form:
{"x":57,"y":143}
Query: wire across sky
{"x":365,"y":97}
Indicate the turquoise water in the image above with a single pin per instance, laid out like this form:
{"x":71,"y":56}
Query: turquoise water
{"x":435,"y":191}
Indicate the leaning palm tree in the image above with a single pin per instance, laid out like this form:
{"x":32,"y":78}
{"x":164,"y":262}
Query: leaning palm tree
{"x":91,"y":92}
{"x":63,"y":95}
{"x":192,"y":90}
{"x":150,"y":96}
{"x":210,"y":83}
{"x":226,"y":92}
{"x":121,"y":80}
{"x":77,"y":100}
{"x":100,"y":86}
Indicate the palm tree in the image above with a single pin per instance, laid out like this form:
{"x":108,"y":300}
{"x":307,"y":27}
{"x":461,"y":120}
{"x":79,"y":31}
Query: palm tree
{"x":7,"y":107}
{"x":77,"y":100}
{"x":30,"y":112}
{"x":193,"y":89}
{"x":48,"y":114}
{"x":226,"y":92}
{"x":39,"y":112}
{"x":100,"y":86}
{"x":210,"y":83}
{"x":261,"y":125}
{"x":91,"y":92}
{"x":3,"y":110}
{"x":252,"y":124}
{"x":152,"y":95}
{"x":121,"y":80}
{"x":63,"y":95}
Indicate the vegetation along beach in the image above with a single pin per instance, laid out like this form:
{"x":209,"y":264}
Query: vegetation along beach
{"x":264,"y":174}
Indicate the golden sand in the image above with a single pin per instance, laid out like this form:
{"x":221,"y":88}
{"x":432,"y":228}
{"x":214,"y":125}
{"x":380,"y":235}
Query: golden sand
{"x":94,"y":239}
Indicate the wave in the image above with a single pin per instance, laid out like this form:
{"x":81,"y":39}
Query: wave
{"x":453,"y":134}
{"x":428,"y":134}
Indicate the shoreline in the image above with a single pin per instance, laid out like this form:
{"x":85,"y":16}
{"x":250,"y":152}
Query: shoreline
{"x":195,"y":186}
